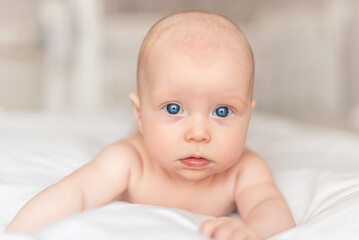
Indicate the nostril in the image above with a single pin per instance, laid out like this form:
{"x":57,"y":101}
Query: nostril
{"x":198,"y":136}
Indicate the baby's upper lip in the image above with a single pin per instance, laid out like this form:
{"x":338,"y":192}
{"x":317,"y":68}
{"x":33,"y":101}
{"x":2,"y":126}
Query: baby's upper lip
{"x":196,"y":156}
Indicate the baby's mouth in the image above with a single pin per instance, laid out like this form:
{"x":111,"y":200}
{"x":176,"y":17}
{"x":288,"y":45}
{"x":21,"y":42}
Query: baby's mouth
{"x":195,"y":162}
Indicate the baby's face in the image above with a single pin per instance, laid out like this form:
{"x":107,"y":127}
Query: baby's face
{"x":196,"y":103}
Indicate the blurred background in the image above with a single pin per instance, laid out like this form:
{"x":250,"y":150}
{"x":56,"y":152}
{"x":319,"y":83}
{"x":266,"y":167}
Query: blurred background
{"x":80,"y":55}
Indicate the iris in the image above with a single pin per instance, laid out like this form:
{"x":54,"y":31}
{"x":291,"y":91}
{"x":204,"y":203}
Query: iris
{"x":222,"y":111}
{"x":173,"y":108}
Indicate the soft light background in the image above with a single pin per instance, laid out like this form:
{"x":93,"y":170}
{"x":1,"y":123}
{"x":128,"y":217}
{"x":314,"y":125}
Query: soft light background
{"x":80,"y":55}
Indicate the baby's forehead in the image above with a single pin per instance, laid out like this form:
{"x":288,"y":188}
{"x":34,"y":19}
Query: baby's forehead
{"x":186,"y":70}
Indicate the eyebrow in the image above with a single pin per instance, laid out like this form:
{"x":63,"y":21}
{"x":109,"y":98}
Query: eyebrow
{"x":154,"y":97}
{"x":238,"y":99}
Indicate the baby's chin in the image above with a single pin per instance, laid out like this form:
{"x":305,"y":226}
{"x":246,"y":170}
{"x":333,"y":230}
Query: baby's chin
{"x":195,"y":175}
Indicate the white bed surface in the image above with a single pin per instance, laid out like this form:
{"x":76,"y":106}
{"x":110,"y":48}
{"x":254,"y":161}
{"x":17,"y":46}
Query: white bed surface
{"x":316,"y":168}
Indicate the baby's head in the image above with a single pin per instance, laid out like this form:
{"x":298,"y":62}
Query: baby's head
{"x":194,"y":83}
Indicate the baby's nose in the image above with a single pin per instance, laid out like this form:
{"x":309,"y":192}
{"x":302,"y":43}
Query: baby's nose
{"x":198,"y":131}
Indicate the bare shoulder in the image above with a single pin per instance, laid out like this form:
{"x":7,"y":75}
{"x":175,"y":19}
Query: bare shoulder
{"x":251,"y":161}
{"x":252,"y":170}
{"x":121,"y":153}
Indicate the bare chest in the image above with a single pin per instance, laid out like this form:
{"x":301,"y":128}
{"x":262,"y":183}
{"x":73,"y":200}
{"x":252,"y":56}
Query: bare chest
{"x":214,"y":199}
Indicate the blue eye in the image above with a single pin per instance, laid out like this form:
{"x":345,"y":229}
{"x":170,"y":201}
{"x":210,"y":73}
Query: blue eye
{"x":173,"y":108}
{"x":223,"y":111}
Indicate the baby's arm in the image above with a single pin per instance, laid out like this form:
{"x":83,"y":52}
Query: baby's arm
{"x":92,"y":185}
{"x":261,"y":205}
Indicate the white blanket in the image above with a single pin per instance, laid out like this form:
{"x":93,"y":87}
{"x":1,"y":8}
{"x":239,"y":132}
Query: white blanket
{"x":316,"y":168}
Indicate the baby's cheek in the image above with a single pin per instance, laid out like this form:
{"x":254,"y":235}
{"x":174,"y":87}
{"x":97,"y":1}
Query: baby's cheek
{"x":231,"y":144}
{"x":158,"y":142}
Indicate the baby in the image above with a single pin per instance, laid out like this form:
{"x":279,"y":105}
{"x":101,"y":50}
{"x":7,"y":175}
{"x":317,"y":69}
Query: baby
{"x":193,"y":105}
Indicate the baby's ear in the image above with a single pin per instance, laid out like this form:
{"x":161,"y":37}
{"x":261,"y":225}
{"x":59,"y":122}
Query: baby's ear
{"x":136,"y":109}
{"x":253,"y":104}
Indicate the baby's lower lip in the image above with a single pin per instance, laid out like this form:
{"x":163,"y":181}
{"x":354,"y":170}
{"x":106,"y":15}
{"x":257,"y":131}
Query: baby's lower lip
{"x":195,"y":162}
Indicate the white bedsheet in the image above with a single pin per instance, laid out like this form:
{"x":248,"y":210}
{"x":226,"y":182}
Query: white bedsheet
{"x":316,"y":168}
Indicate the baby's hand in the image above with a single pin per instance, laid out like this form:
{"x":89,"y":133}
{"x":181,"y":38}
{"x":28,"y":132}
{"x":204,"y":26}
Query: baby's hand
{"x":225,"y":228}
